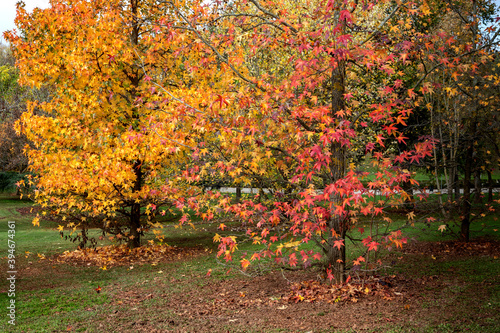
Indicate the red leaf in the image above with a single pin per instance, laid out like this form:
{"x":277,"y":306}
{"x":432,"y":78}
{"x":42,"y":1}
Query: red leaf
{"x":373,"y":246}
{"x":222,"y":100}
{"x":345,"y":15}
{"x":329,"y":274}
{"x":338,"y":243}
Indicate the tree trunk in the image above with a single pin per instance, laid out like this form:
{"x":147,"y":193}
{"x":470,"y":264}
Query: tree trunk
{"x":238,"y":194}
{"x":338,"y":165}
{"x":477,"y":186}
{"x":457,"y":185}
{"x":409,"y":204}
{"x":436,"y":168}
{"x":135,"y":212}
{"x":490,"y":186}
{"x":466,"y":203}
{"x":336,"y":256}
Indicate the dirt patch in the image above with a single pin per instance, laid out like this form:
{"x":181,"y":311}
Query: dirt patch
{"x":271,"y":301}
{"x":240,"y":305}
{"x":34,"y":210}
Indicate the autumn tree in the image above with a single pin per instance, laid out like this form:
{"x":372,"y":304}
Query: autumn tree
{"x":345,"y":70}
{"x":458,"y":72}
{"x":97,"y":160}
{"x":10,"y":148}
{"x":291,"y":119}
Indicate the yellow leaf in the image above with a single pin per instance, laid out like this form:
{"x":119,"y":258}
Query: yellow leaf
{"x":245,"y":263}
{"x":292,"y":244}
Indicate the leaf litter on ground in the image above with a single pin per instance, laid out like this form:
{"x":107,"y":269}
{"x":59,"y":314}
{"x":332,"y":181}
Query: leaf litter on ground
{"x":121,"y":255}
{"x":316,"y":291}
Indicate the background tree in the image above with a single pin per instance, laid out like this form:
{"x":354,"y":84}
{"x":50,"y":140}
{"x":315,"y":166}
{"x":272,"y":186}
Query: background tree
{"x":459,"y":93}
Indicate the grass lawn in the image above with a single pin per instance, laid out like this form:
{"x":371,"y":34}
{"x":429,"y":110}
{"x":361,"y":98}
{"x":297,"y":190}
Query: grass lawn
{"x":435,"y":285}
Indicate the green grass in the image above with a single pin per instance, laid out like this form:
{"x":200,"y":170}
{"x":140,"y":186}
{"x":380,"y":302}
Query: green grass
{"x":60,"y":296}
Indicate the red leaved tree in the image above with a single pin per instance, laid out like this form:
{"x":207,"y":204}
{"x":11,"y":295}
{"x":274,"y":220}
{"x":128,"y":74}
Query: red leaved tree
{"x":313,"y":89}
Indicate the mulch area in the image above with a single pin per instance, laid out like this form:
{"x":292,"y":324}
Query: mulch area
{"x":32,"y":211}
{"x":264,"y":303}
{"x":28,"y":210}
{"x":297,"y":301}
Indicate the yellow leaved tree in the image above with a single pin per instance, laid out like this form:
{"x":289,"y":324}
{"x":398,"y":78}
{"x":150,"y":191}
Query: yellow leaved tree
{"x":110,"y":144}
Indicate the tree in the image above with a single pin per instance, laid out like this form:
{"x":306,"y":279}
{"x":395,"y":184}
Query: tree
{"x":293,"y":114}
{"x":460,"y":93}
{"x":96,"y":159}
